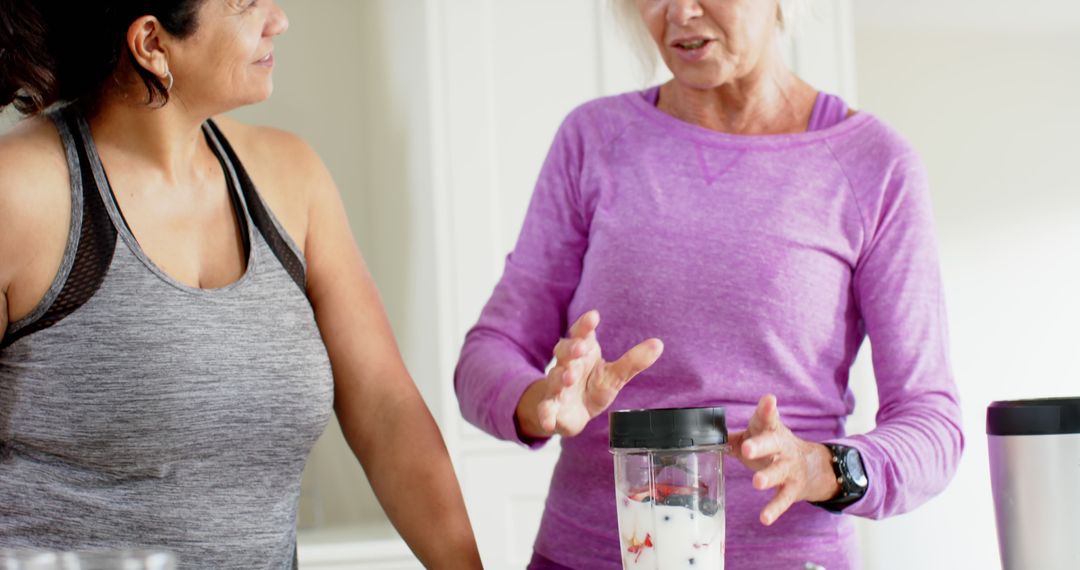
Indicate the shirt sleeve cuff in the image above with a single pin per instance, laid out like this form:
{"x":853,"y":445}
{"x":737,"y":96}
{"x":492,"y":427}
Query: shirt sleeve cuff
{"x":505,"y":408}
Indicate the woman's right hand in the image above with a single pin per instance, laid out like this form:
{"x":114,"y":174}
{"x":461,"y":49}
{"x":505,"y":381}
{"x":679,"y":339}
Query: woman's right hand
{"x":581,"y":384}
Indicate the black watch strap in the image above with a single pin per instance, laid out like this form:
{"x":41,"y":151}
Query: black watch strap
{"x":848,"y":468}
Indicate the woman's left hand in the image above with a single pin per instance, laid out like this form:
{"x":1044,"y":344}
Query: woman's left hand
{"x":799,"y":470}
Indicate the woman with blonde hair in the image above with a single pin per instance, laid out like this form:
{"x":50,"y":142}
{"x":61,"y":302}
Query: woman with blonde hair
{"x":741,"y":234}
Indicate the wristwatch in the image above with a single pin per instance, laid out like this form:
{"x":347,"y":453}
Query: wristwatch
{"x":848,"y":467}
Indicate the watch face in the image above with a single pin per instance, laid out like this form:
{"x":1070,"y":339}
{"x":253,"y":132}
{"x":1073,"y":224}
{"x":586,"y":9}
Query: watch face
{"x":853,"y":463}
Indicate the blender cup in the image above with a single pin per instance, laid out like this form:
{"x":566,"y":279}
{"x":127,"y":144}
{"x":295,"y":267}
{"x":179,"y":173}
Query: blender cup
{"x":669,"y":487}
{"x":1034,"y":448}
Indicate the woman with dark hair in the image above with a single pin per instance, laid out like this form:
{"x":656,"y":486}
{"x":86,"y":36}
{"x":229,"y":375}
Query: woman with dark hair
{"x":761,"y":230}
{"x":181,"y":301}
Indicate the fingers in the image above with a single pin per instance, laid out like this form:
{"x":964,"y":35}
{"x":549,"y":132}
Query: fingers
{"x":762,"y":445}
{"x":778,"y":457}
{"x":565,"y":349}
{"x":585,"y":324}
{"x":775,"y":474}
{"x":634,"y":361}
{"x":571,"y":357}
{"x":763,"y":430}
{"x":766,"y":417}
{"x":780,"y":503}
{"x":780,"y":474}
{"x":570,"y":348}
{"x":547,"y":412}
{"x":581,"y":339}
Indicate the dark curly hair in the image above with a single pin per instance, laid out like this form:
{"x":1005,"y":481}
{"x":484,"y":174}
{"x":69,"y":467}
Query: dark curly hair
{"x":54,"y":51}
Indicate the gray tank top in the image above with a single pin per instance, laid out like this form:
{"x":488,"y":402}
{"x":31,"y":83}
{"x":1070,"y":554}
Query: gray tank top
{"x":136,"y":411}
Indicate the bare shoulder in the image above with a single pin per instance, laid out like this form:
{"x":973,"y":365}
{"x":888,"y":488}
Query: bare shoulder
{"x":30,"y":150}
{"x":285,"y":169}
{"x":272,"y":151}
{"x":269,"y":145}
{"x":34,"y":185}
{"x":35,"y":204}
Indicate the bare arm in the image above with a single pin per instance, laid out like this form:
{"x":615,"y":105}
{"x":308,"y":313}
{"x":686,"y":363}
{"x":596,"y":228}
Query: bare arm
{"x":10,"y":228}
{"x":7,"y":261}
{"x":381,"y":412}
{"x":34,"y":216}
{"x":3,"y":303}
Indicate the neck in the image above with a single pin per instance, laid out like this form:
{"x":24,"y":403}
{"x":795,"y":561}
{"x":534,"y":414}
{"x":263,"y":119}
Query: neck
{"x":769,"y":99}
{"x":166,"y":140}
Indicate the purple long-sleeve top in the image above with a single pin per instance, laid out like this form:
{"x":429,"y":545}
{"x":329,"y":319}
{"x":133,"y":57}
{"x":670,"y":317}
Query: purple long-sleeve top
{"x":762,"y":262}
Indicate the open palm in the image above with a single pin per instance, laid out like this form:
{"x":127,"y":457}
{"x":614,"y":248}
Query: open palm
{"x":582,"y":385}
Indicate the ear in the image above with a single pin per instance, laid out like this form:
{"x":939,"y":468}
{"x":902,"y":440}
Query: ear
{"x":144,"y":41}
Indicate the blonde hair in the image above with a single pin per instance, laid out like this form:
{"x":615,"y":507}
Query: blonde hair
{"x":629,"y":22}
{"x":789,"y":13}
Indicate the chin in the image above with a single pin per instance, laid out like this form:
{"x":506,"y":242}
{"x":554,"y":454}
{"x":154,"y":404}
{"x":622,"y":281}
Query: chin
{"x":704,"y":77}
{"x":260,"y":95}
{"x":240,"y":102}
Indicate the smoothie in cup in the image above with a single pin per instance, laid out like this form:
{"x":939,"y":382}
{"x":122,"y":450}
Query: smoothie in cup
{"x":669,"y":487}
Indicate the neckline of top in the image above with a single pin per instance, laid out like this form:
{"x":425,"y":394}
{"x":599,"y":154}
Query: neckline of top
{"x":644,"y":102}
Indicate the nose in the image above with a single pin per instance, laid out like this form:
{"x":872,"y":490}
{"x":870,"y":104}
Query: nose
{"x":680,"y":12}
{"x":277,"y":22}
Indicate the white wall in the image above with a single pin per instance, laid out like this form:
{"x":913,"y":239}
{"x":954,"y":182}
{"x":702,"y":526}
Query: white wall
{"x":354,"y":93}
{"x":989,"y":93}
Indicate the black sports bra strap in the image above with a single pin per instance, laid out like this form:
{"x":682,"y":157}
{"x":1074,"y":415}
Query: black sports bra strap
{"x":96,"y":241}
{"x":262,"y":217}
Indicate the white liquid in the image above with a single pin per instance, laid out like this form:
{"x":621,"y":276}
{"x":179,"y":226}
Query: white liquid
{"x":680,"y":537}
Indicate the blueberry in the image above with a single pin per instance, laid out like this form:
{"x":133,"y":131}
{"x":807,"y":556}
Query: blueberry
{"x":667,"y":517}
{"x":691,"y":561}
{"x":709,"y":507}
{"x":688,"y":501}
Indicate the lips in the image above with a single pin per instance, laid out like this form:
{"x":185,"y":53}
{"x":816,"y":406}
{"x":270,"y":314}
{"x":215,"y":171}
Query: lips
{"x":266,"y":59}
{"x":690,"y":43}
{"x":692,"y":49}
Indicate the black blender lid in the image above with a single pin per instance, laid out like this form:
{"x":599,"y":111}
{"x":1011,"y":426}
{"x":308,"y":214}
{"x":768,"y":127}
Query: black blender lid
{"x":667,"y":428}
{"x":1045,"y":416}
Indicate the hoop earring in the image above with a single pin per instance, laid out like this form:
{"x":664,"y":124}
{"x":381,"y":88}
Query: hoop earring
{"x":168,"y":75}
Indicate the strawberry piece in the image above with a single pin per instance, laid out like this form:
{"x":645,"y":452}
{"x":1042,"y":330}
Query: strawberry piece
{"x":637,"y":548}
{"x":663,"y":490}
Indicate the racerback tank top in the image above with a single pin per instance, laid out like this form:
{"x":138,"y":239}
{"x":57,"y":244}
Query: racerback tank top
{"x":136,"y":411}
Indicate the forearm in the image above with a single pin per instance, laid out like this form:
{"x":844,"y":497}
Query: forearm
{"x":3,"y":312}
{"x":916,"y":446}
{"x":910,"y":456}
{"x":381,"y":413}
{"x":491,"y":379}
{"x":409,"y":468}
{"x":526,"y":416}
